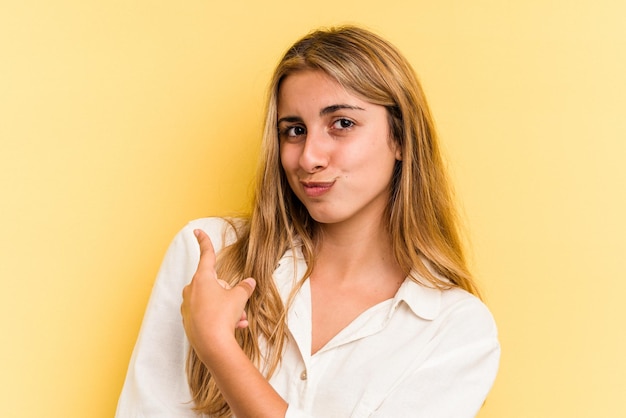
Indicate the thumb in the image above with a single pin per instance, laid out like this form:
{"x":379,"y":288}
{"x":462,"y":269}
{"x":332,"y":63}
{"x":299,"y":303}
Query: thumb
{"x":248,"y":285}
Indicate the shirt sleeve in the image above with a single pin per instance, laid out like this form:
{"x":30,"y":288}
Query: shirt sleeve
{"x":297,"y":413}
{"x":156,"y":382}
{"x":455,"y":373}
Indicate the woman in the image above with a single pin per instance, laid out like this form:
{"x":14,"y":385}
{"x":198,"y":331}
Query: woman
{"x":347,"y":286}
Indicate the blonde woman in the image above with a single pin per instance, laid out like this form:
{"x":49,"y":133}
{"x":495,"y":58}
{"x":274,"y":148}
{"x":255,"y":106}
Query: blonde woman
{"x":346,"y":292}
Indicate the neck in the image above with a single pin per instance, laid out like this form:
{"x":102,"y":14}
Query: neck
{"x":350,"y":253}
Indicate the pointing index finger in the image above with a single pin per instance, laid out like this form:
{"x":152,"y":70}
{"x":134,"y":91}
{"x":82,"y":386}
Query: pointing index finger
{"x":206,"y":265}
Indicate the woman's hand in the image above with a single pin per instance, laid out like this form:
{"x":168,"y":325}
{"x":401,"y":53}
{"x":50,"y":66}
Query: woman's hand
{"x":211,"y":310}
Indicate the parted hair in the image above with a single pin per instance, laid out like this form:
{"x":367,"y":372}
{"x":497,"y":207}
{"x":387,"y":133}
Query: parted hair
{"x":420,"y":216}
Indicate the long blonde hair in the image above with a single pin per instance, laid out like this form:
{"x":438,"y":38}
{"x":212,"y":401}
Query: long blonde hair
{"x":420,"y":216}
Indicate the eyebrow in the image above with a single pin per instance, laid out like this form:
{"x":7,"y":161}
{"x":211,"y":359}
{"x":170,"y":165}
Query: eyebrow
{"x":334,"y":108}
{"x":325,"y":111}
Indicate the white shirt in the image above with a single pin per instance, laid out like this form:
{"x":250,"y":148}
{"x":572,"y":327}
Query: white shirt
{"x":425,"y":353}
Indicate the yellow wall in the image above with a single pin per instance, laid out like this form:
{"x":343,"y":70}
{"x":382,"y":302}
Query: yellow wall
{"x":121,"y":120}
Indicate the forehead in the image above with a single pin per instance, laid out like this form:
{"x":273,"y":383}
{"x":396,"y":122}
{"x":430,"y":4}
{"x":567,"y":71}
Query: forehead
{"x":308,"y":88}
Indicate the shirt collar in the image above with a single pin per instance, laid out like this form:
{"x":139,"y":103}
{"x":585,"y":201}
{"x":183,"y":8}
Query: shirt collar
{"x":420,"y":296}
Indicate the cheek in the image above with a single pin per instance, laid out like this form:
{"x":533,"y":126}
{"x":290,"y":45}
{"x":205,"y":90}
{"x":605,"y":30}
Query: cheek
{"x":281,"y":155}
{"x":288,"y":158}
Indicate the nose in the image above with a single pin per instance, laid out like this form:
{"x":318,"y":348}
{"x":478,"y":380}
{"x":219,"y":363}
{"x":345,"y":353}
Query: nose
{"x":315,"y":153}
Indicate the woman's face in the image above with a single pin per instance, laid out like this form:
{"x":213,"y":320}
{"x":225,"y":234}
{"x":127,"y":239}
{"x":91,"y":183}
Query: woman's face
{"x":335,"y":149}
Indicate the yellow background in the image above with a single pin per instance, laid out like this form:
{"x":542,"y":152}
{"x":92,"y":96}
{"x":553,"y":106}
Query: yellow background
{"x":122,"y":120}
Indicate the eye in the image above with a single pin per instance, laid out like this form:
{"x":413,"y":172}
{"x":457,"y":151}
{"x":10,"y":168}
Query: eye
{"x":292,"y":131}
{"x":343,"y":123}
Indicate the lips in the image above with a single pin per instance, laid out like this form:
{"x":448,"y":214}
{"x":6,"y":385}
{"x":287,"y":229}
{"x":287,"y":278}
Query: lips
{"x":316,"y":188}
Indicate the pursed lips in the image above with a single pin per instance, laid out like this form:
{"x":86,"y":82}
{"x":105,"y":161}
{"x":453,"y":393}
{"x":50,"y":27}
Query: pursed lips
{"x":316,"y":188}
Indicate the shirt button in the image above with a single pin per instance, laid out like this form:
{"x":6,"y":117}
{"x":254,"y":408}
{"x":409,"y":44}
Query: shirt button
{"x":303,"y":375}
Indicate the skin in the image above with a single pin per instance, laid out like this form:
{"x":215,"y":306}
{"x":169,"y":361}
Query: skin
{"x":338,"y":157}
{"x":210,"y":314}
{"x":335,"y":149}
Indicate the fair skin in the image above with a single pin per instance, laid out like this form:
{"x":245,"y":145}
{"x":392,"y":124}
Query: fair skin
{"x":338,"y":157}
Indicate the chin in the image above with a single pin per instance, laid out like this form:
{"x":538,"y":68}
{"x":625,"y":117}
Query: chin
{"x":325,"y":218}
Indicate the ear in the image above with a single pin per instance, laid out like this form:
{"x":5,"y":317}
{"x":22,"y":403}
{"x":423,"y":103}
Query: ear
{"x":398,"y":152}
{"x":395,"y":146}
